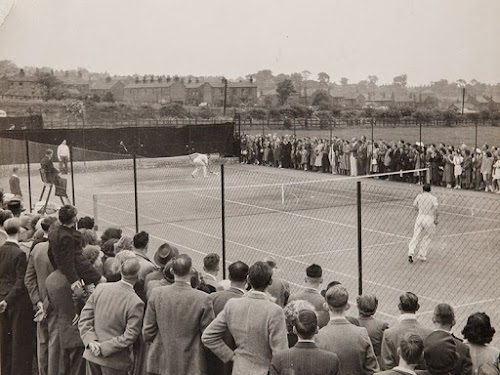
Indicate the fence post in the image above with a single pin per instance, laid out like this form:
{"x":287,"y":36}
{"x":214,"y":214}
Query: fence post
{"x":223,"y":208}
{"x":29,"y":173}
{"x":72,"y":174}
{"x":136,"y":203}
{"x":96,"y":212}
{"x":360,"y":255}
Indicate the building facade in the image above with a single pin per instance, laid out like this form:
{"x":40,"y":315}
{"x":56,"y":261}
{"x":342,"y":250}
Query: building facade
{"x":176,"y":91}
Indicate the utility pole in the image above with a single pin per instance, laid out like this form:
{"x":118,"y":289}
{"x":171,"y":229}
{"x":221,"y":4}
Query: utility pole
{"x":463,"y":100}
{"x":224,"y":81}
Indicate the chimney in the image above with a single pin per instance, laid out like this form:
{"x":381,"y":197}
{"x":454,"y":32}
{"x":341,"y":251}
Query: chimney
{"x":251,"y":79}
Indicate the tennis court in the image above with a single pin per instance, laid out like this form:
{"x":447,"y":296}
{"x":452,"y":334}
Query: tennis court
{"x":300,"y":218}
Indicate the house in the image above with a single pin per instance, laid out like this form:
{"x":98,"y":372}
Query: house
{"x":172,"y":91}
{"x":100,"y":89}
{"x":355,"y":100}
{"x":379,"y":100}
{"x":401,"y":100}
{"x":22,"y":87}
{"x":190,"y":93}
{"x":479,"y":102}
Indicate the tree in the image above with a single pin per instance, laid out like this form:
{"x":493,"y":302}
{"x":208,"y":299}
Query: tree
{"x":49,"y":82}
{"x":8,"y":68}
{"x":262,"y":76}
{"x":321,"y":98}
{"x":108,"y":79}
{"x":108,"y":97}
{"x":306,"y":74}
{"x":324,"y":78}
{"x":344,"y":81}
{"x":373,"y":79}
{"x":461,"y":82}
{"x":285,"y":89}
{"x":297,"y":80}
{"x":400,"y":80}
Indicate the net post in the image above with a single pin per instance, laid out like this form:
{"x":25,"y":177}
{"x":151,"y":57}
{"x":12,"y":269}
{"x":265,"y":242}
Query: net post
{"x":29,"y":173}
{"x":72,"y":174}
{"x":223,"y":224}
{"x":96,"y":212}
{"x":360,"y":255}
{"x":282,"y":194}
{"x":136,"y":203}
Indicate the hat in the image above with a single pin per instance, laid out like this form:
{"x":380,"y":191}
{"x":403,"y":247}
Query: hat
{"x":337,"y":296}
{"x":440,"y":352}
{"x":314,"y":271}
{"x":15,"y":206}
{"x":164,"y":253}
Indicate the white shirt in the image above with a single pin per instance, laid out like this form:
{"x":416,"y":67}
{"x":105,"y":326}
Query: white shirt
{"x":427,"y":204}
{"x":62,"y":150}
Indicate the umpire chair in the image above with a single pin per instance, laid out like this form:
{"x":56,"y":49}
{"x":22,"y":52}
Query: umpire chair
{"x":60,"y":189}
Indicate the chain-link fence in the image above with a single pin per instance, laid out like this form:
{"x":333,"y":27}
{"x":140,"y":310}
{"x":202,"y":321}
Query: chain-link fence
{"x":357,"y":228}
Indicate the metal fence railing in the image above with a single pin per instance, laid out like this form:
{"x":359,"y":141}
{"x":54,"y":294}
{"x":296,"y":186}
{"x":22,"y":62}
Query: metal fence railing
{"x":357,"y":228}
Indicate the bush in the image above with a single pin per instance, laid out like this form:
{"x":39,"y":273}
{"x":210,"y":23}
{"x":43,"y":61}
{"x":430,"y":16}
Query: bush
{"x":173,"y":110}
{"x":258,"y":113}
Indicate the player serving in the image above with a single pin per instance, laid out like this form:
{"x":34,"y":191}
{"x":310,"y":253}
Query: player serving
{"x":201,"y":162}
{"x":425,"y":225}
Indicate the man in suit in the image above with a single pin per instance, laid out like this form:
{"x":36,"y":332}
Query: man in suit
{"x":46,"y":222}
{"x":407,"y":322}
{"x":351,"y":343}
{"x":16,"y":312}
{"x":4,"y":216}
{"x":311,"y":293}
{"x":257,"y":325}
{"x":51,"y":173}
{"x":162,"y":256}
{"x":141,"y":243}
{"x":279,"y":289}
{"x":238,"y":273}
{"x":66,"y":253}
{"x":440,"y":353}
{"x":305,"y":357}
{"x":111,"y":322}
{"x":14,"y":184}
{"x":411,"y":348}
{"x":211,"y":266}
{"x":175,"y":318}
{"x":39,"y":268}
{"x":444,"y":320}
{"x":68,"y":335}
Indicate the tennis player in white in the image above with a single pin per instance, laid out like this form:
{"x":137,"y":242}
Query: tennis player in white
{"x":425,"y":225}
{"x":201,"y":162}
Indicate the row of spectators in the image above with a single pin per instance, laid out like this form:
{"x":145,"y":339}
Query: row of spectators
{"x":102,"y":306}
{"x":450,"y":166}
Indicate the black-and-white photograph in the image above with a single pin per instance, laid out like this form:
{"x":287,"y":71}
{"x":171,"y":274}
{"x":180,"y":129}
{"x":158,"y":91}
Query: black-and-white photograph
{"x":273,"y":187}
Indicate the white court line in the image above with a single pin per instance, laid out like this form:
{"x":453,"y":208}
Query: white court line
{"x":343,"y":250}
{"x":307,"y":217}
{"x":204,"y":253}
{"x":263,"y":251}
{"x":465,"y":305}
{"x":466,"y":233}
{"x":294,"y":260}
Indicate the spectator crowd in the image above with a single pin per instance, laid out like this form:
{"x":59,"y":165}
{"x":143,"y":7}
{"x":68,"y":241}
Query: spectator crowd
{"x":459,"y":167}
{"x":100,"y":305}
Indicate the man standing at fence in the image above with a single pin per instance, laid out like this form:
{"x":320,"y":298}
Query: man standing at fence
{"x":201,"y":162}
{"x":14,"y":183}
{"x":425,"y":225}
{"x":63,"y":156}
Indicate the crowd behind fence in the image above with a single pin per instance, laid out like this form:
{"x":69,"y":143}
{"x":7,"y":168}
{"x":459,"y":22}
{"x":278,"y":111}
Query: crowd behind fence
{"x":357,"y":227}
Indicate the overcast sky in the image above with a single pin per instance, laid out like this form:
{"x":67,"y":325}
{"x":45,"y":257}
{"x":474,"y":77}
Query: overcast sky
{"x":426,"y":39}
